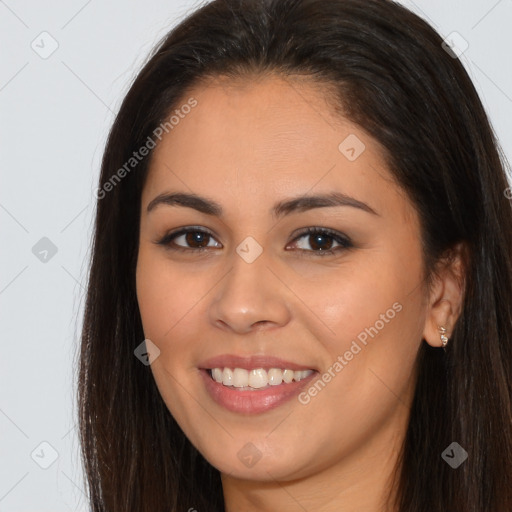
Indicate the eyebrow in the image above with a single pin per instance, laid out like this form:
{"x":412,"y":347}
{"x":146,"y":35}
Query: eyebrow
{"x":280,"y":209}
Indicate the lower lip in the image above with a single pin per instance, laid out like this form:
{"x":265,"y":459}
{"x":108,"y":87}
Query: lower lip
{"x":253,"y":402}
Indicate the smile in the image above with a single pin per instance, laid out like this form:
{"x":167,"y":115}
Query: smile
{"x":276,"y":387}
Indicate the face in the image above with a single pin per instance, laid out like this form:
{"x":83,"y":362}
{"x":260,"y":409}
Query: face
{"x":237,"y":281}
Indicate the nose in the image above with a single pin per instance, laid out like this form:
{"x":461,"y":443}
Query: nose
{"x":250,"y":297}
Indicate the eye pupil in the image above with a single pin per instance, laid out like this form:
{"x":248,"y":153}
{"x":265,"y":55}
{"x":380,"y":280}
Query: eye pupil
{"x":197,"y":237}
{"x":317,"y":244}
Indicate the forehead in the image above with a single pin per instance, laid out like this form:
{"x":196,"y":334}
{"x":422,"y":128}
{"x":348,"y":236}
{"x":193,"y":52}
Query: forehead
{"x":266,"y":115}
{"x":264,"y":138}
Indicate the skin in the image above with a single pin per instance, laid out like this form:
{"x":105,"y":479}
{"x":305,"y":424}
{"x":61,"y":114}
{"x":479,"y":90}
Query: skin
{"x":246,"y":146}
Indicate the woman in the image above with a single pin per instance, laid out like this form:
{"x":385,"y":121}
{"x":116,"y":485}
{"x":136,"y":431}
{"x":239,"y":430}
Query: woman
{"x":301,"y":278}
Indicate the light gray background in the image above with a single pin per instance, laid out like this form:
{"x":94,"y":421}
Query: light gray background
{"x":55,"y":116}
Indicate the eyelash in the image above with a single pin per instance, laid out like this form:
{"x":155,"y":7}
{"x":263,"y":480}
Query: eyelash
{"x":344,"y":241}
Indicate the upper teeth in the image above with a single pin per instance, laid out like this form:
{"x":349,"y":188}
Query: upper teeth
{"x":257,"y":378}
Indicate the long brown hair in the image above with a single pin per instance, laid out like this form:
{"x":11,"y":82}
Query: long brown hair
{"x":393,"y":78}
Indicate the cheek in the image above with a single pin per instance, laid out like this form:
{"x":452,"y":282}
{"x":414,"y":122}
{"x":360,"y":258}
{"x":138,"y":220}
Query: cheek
{"x":168,"y":298}
{"x":166,"y":294}
{"x":371,"y":323}
{"x":374,"y":321}
{"x":373,"y":292}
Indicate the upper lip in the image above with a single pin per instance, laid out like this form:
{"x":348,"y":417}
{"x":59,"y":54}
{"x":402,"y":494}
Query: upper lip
{"x":250,"y":362}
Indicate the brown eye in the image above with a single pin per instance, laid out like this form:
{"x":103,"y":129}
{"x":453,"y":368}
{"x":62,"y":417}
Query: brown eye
{"x":188,"y":239}
{"x":197,"y":237}
{"x":321,"y":241}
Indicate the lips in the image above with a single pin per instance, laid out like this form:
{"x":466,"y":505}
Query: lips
{"x":234,"y":394}
{"x":255,"y":401}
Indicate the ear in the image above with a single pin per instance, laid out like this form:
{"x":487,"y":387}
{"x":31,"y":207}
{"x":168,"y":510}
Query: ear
{"x":446,"y":295}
